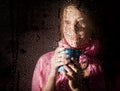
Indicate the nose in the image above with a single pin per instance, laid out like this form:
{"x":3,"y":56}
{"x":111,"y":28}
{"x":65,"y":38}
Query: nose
{"x":73,"y":34}
{"x":72,"y":30}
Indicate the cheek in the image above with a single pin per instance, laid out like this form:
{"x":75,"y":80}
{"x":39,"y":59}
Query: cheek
{"x":66,"y":29}
{"x":67,"y":35}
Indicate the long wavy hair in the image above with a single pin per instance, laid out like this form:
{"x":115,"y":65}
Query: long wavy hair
{"x":91,"y":30}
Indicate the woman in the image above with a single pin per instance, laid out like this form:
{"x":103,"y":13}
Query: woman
{"x":82,"y":75}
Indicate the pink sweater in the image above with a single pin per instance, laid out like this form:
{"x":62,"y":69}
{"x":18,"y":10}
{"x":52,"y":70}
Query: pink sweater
{"x":43,"y":66}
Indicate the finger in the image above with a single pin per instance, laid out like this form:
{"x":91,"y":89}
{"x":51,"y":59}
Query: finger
{"x":73,"y":67}
{"x":62,"y":57}
{"x":77,"y":72}
{"x":84,"y":66}
{"x":59,"y":49}
{"x":67,"y":56}
{"x":66,"y":75}
{"x":84,"y":61}
{"x":59,"y":63}
{"x":58,"y":60}
{"x":75,"y":61}
{"x":64,"y":72}
{"x":59,"y":55}
{"x":70,"y":72}
{"x":76,"y":64}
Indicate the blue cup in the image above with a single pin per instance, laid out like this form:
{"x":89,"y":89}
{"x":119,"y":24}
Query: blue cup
{"x":73,"y":54}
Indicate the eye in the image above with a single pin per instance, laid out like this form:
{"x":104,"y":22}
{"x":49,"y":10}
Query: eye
{"x":67,"y":22}
{"x":79,"y":26}
{"x":81,"y":23}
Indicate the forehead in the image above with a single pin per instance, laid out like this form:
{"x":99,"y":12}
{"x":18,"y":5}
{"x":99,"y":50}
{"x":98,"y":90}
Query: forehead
{"x":71,"y":12}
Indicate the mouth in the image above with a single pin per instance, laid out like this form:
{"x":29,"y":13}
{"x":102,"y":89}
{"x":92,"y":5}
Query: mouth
{"x":76,"y":43}
{"x":79,"y":41}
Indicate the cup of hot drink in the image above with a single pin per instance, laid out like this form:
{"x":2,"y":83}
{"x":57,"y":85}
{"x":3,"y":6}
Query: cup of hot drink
{"x":73,"y":54}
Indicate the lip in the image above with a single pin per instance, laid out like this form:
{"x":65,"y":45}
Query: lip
{"x":74,"y":38}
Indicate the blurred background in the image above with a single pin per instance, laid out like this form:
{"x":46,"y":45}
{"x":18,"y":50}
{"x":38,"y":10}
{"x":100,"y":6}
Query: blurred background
{"x":30,"y":28}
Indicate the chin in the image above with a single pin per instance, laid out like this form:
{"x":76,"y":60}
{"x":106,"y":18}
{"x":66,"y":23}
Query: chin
{"x":74,"y":45}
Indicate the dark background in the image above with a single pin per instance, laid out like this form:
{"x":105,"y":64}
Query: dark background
{"x":29,"y":28}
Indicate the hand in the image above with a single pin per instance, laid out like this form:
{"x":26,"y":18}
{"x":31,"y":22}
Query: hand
{"x":75,"y":75}
{"x":58,"y":60}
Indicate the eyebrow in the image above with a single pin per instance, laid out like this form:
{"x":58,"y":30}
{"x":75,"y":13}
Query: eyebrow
{"x":67,"y":21}
{"x":80,"y":19}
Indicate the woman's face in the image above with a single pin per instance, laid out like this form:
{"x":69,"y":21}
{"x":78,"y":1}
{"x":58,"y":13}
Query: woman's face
{"x":73,"y":26}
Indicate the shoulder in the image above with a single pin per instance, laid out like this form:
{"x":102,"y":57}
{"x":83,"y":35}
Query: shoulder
{"x":47,"y":56}
{"x":44,"y":60}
